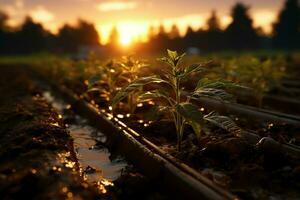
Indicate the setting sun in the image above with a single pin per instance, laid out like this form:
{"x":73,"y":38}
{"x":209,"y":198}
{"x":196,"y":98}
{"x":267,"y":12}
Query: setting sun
{"x":126,"y":38}
{"x":129,"y":32}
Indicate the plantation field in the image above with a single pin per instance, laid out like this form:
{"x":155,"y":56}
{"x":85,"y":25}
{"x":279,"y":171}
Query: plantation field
{"x":233,"y":118}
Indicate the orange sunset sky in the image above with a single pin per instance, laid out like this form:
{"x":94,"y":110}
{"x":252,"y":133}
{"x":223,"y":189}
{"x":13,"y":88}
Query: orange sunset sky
{"x":133,"y":17}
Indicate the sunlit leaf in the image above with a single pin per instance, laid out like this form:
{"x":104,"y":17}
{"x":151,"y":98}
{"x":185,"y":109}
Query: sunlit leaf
{"x":147,"y":96}
{"x":93,"y":80}
{"x":135,"y":85}
{"x":202,"y":82}
{"x":219,"y":84}
{"x":166,"y":60}
{"x":196,"y":128}
{"x":213,"y":93}
{"x":94,"y":89}
{"x":194,"y":68}
{"x":172,"y":54}
{"x":173,"y":58}
{"x":154,"y":112}
{"x":223,"y":122}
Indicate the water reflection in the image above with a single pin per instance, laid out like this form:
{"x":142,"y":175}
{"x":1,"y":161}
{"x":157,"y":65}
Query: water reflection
{"x":94,"y":159}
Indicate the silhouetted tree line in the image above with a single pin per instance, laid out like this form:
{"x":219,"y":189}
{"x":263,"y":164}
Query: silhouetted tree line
{"x":31,"y":37}
{"x":240,"y":34}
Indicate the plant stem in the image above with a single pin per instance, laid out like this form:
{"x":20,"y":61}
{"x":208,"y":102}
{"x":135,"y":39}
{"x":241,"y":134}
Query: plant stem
{"x":179,"y":125}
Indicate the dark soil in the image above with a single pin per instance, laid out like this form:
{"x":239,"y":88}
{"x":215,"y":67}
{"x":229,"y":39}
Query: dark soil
{"x":244,"y":168}
{"x":35,"y":148}
{"x":233,"y":163}
{"x":37,"y":159}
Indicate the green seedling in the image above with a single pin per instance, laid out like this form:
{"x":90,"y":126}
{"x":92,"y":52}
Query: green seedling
{"x":167,"y":89}
{"x":261,"y":76}
{"x":105,"y":81}
{"x":131,"y":69}
{"x":110,"y":77}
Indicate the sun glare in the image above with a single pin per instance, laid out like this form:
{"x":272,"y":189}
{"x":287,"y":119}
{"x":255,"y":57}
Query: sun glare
{"x":131,"y":31}
{"x":128,"y":32}
{"x":125,"y":39}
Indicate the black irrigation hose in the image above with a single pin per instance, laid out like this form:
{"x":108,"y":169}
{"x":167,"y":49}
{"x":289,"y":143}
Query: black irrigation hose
{"x":266,"y":143}
{"x":271,"y":100}
{"x":248,"y":111}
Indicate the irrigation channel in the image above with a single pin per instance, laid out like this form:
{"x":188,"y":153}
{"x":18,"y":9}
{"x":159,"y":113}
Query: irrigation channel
{"x":49,"y":152}
{"x":97,"y":164}
{"x":100,"y":166}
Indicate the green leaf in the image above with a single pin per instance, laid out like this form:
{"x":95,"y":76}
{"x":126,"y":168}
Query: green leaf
{"x":155,"y":112}
{"x":172,"y":54}
{"x":94,"y":89}
{"x":147,"y":96}
{"x":220,"y":84}
{"x":197,"y":128}
{"x":213,"y":93}
{"x":223,"y":122}
{"x":98,"y":89}
{"x":202,"y":82}
{"x":166,"y":60}
{"x":178,"y":59}
{"x":189,"y":112}
{"x":135,"y":85}
{"x":93,"y":80}
{"x":194,"y":68}
{"x":173,"y":58}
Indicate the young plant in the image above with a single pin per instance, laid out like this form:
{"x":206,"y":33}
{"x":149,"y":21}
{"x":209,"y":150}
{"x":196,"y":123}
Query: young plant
{"x":105,"y":81}
{"x":110,"y":77}
{"x":260,"y":75}
{"x":131,"y":69}
{"x":168,"y":90}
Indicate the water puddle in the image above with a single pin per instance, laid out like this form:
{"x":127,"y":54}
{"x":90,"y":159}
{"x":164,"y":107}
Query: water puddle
{"x":98,"y":166}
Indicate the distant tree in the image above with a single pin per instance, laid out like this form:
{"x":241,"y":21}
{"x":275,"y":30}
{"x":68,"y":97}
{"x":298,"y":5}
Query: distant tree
{"x":174,"y":33}
{"x":213,"y":38}
{"x":4,"y":36}
{"x":240,"y":34}
{"x":32,"y":37}
{"x":162,"y":34}
{"x":189,"y":31}
{"x":151,"y":33}
{"x":66,"y":39}
{"x":71,"y":38}
{"x":174,"y":38}
{"x":114,"y":38}
{"x":3,"y":20}
{"x":87,"y":33}
{"x":286,"y":31}
{"x":161,"y":40}
{"x":213,"y":23}
{"x":191,"y":38}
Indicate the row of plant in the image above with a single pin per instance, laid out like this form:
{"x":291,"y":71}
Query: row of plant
{"x":165,"y":92}
{"x":159,"y":102}
{"x":107,"y":80}
{"x":263,"y":74}
{"x":99,"y":83}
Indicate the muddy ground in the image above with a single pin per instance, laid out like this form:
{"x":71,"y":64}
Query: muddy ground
{"x":37,"y":159}
{"x":36,"y":153}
